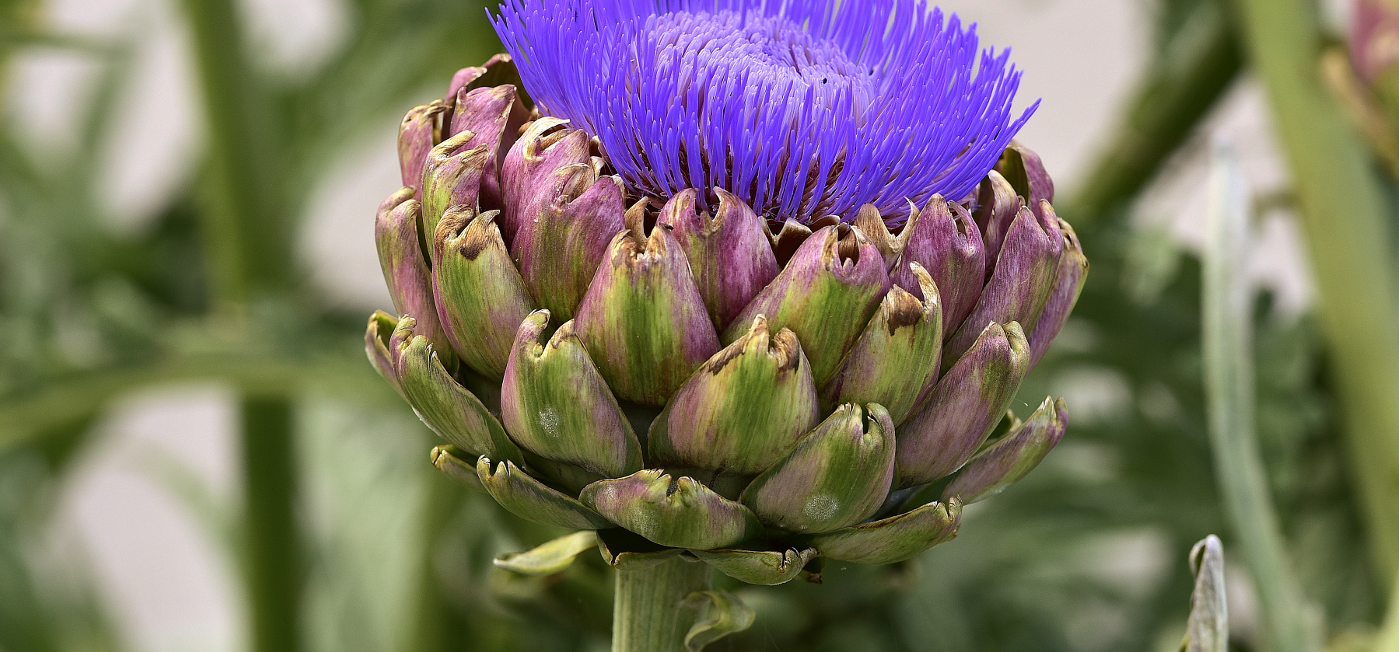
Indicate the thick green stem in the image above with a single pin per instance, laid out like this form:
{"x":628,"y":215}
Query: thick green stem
{"x":1344,"y":218}
{"x":1229,"y":390}
{"x":647,"y":614}
{"x":273,"y":571}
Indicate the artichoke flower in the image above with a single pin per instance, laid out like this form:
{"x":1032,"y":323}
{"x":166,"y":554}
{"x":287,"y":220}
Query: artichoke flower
{"x":748,"y":283}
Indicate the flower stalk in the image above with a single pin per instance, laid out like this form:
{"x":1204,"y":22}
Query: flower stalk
{"x":650,"y":612}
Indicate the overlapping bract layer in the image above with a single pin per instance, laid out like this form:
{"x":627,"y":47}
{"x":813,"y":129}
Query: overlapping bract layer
{"x":757,"y":399}
{"x":794,"y":107}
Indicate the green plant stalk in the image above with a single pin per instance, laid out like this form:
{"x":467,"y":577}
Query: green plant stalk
{"x":272,"y":565}
{"x":1181,"y":86}
{"x":1229,"y":390}
{"x":647,"y":614}
{"x":248,"y":246}
{"x":1346,"y":229}
{"x":247,"y":239}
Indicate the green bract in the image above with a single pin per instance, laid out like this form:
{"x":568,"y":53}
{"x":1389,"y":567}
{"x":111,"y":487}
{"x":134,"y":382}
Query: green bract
{"x":743,"y":390}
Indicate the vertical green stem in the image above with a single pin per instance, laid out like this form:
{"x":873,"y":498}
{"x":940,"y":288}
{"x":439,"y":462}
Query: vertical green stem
{"x":244,"y":229}
{"x":647,"y":615}
{"x":273,"y":571}
{"x":1229,"y":387}
{"x":248,"y":247}
{"x":1348,"y":239}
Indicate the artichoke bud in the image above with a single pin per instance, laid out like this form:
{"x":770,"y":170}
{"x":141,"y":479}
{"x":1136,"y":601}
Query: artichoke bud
{"x":742,"y":410}
{"x":559,"y":250}
{"x":964,"y":406}
{"x":546,"y":146}
{"x":671,"y":510}
{"x":996,"y":210}
{"x":836,"y":476}
{"x":1025,"y":171}
{"x":452,"y":177}
{"x":944,"y":239}
{"x":494,"y":115}
{"x":1011,"y":457}
{"x":729,"y":253}
{"x":556,"y":404}
{"x":1073,"y":271}
{"x":419,"y":132}
{"x":405,"y":265}
{"x":643,"y":319}
{"x":825,"y":295}
{"x":1022,"y":283}
{"x":896,"y":360}
{"x":451,"y":411}
{"x":481,"y":299}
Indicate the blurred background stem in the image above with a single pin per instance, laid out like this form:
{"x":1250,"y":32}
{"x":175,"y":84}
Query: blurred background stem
{"x":1227,"y":325}
{"x":1343,"y":219}
{"x":272,"y":563}
{"x":250,"y":263}
{"x":1183,"y":83}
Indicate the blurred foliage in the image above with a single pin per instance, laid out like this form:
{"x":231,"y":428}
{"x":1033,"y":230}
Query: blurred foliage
{"x":1087,"y":553}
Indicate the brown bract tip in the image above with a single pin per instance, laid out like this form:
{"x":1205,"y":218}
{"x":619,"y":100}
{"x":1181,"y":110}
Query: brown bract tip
{"x":901,"y":309}
{"x":482,"y":232}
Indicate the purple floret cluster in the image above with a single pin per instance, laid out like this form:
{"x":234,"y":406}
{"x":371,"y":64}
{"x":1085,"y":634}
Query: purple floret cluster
{"x":801,"y":109}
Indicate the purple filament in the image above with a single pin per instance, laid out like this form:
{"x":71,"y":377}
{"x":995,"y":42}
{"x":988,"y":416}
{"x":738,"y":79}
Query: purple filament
{"x":802,"y":109}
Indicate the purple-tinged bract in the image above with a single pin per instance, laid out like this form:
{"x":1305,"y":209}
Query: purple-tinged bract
{"x":801,"y":109}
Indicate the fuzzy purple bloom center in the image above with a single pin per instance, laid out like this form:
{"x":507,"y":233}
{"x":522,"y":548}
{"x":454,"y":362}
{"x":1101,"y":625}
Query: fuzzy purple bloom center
{"x":802,"y":109}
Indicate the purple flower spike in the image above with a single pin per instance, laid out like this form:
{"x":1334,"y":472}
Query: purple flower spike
{"x":559,"y":251}
{"x":730,"y":254}
{"x":799,"y":109}
{"x":943,"y":238}
{"x":546,"y":147}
